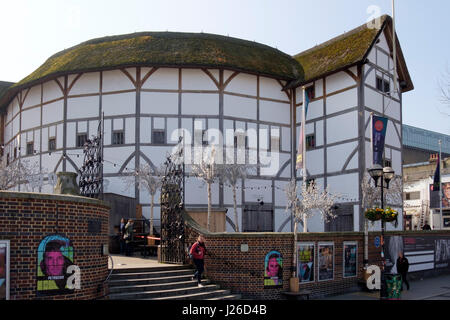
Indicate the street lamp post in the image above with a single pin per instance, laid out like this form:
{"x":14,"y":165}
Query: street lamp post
{"x":386,"y":174}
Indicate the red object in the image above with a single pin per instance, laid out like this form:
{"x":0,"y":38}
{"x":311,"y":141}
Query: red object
{"x":379,"y":125}
{"x":198,"y":251}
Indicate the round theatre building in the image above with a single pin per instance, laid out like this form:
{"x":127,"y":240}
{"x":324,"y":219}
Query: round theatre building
{"x":148,"y":85}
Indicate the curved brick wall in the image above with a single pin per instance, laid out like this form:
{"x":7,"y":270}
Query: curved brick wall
{"x":26,"y":218}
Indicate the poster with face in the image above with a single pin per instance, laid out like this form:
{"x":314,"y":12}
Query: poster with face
{"x":4,"y":272}
{"x":305,"y":265}
{"x":350,"y":259}
{"x":55,"y":255}
{"x":326,"y":261}
{"x":273,"y":270}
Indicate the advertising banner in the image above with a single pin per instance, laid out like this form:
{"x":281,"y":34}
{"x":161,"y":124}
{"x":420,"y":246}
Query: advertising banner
{"x":273,"y":270}
{"x":434,"y":196}
{"x":55,"y":255}
{"x":326,"y":261}
{"x":442,"y":253}
{"x":305,"y":265}
{"x":350,"y":259}
{"x":4,"y":270}
{"x":379,"y":126}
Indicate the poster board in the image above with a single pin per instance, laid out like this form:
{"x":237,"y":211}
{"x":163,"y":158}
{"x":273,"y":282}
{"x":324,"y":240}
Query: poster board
{"x":325,"y":254}
{"x":4,"y":269}
{"x":273,"y":270}
{"x":350,"y":259}
{"x":305,"y":261}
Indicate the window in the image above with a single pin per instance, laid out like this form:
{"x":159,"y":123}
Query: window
{"x":158,"y":136}
{"x":387,"y":163}
{"x":310,"y":141}
{"x":51,"y":144}
{"x":118,"y":137}
{"x":81,"y":140}
{"x":310,"y":92}
{"x":205,"y":137}
{"x":383,"y":85}
{"x":412,"y":195}
{"x":30,"y":148}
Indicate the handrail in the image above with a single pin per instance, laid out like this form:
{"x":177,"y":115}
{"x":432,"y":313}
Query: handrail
{"x":112,"y":269}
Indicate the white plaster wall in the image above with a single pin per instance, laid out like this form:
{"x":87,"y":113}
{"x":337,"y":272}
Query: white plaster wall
{"x":163,"y":78}
{"x":146,"y":130}
{"x":44,"y":139}
{"x":318,"y":88}
{"x":338,"y":81}
{"x":397,"y":161}
{"x":83,"y":107}
{"x":159,"y":103}
{"x":392,"y":108}
{"x":382,"y":60}
{"x":117,"y":155}
{"x":314,"y":162}
{"x":228,"y":195}
{"x":319,"y":133}
{"x":172,"y":126}
{"x":270,"y":88}
{"x":93,"y":127}
{"x":33,"y":97}
{"x":53,"y":112}
{"x":286,"y":139}
{"x":371,"y":75}
{"x":88,"y":83}
{"x":239,"y":107}
{"x":342,"y":127}
{"x":200,"y":104}
{"x":342,"y":101}
{"x":274,"y":112}
{"x":392,"y":138}
{"x":196,"y":192}
{"x":243,"y":84}
{"x":262,"y":189}
{"x":338,"y":155}
{"x":51,"y":90}
{"x":315,"y":110}
{"x":31,"y":118}
{"x":373,"y":100}
{"x":230,"y":214}
{"x":383,"y":44}
{"x":116,"y":185}
{"x":119,"y":104}
{"x":156,"y":154}
{"x":346,"y":185}
{"x":130,"y":131}
{"x":49,"y":161}
{"x":15,"y":126}
{"x":195,"y":79}
{"x":71,"y":135}
{"x":116,"y":80}
{"x":59,"y":136}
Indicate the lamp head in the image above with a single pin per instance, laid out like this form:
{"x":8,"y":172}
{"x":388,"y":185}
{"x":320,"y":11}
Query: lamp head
{"x":376,"y":172}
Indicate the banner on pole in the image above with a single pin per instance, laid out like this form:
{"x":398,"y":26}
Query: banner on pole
{"x":379,"y":126}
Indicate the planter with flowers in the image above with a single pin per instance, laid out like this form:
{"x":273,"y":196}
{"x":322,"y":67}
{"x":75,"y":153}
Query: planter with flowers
{"x":374,"y":214}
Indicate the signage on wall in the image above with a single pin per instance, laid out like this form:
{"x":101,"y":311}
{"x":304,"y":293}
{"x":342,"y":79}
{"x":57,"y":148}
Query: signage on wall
{"x":305,"y":266}
{"x":4,"y":270}
{"x":326,"y":261}
{"x":273,"y":270}
{"x":377,"y":242}
{"x":350,"y":259}
{"x":56,"y":272}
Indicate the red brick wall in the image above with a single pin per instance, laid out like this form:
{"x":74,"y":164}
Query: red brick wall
{"x":26,"y":218}
{"x":243,"y":272}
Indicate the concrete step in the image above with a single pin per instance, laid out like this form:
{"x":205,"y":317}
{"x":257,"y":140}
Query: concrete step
{"x":154,"y":269}
{"x":156,"y":287}
{"x":205,"y":295}
{"x":151,"y":274}
{"x":143,"y":281}
{"x":171,"y":293}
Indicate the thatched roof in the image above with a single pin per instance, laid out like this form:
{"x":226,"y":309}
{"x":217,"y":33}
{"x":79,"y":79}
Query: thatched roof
{"x":347,"y":50}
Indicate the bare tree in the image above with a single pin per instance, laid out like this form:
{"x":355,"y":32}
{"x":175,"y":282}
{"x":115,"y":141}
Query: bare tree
{"x":15,"y":173}
{"x":149,"y":179}
{"x":233,"y":174}
{"x":209,"y":171}
{"x":312,"y":200}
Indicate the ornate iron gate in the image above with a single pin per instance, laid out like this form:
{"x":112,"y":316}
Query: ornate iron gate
{"x":172,"y":206}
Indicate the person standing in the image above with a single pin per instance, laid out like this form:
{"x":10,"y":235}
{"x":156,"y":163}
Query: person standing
{"x":426,"y":226}
{"x":402,"y":268}
{"x":121,"y":235}
{"x":198,"y":251}
{"x":129,"y":237}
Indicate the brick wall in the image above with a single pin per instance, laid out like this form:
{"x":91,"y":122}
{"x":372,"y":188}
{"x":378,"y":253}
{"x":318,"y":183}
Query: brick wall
{"x":243,"y":272}
{"x":26,"y":218}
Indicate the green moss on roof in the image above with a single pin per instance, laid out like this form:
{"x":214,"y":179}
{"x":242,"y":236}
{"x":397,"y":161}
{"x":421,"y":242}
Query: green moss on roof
{"x":338,"y":53}
{"x":4,"y":86}
{"x":168,"y":49}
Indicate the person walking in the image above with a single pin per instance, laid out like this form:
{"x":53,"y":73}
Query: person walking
{"x":198,"y":252}
{"x":121,"y":235}
{"x":129,"y":237}
{"x":402,"y":268}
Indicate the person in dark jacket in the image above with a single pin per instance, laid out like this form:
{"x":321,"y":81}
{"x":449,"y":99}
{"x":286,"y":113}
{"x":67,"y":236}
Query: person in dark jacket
{"x":121,"y":234}
{"x":198,"y":251}
{"x":426,"y":226}
{"x":402,"y":268}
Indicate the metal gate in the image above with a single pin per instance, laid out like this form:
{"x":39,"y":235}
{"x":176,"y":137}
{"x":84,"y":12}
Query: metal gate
{"x":172,"y":206}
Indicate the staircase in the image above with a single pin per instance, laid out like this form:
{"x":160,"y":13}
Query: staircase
{"x":163,"y":283}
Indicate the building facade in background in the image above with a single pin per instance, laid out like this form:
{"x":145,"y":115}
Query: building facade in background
{"x":150,"y":85}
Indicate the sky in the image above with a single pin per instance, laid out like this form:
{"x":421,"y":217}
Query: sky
{"x":32,"y":31}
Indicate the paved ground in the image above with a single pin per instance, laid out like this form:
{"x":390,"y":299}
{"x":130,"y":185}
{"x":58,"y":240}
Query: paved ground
{"x":437,"y":288}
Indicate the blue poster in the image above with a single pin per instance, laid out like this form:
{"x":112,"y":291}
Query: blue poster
{"x":379,"y":126}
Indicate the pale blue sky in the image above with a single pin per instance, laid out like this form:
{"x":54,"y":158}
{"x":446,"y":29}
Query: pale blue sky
{"x":32,"y":31}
